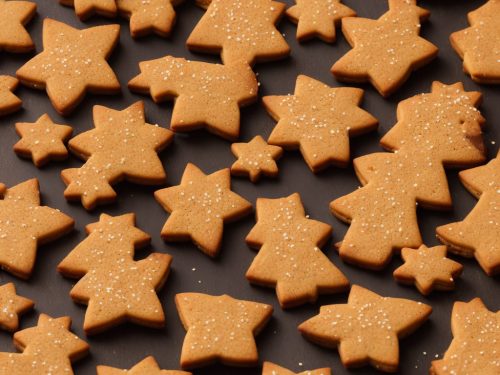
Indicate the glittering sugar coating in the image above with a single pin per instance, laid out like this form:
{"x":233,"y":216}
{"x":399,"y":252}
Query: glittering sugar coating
{"x":84,"y":9}
{"x":366,"y":329}
{"x":273,"y":369}
{"x":476,"y":341}
{"x":240,"y":31}
{"x":11,"y":307}
{"x":14,"y":15}
{"x":8,"y":101}
{"x":148,"y":366}
{"x":220,"y":328}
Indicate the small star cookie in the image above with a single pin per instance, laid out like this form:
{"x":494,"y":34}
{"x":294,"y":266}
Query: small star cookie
{"x":272,"y":369}
{"x":14,"y":15}
{"x":8,"y":101}
{"x":148,"y":366}
{"x":84,"y":9}
{"x":11,"y":307}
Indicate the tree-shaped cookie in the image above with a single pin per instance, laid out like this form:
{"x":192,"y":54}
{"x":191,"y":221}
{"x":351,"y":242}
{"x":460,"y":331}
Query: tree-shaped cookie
{"x":8,"y":101}
{"x":87,"y":8}
{"x":15,"y":15}
{"x":115,"y":287}
{"x":478,"y":235}
{"x":148,"y":366}
{"x":441,"y":128}
{"x":318,"y":120}
{"x":206,"y":95}
{"x":366,"y":329}
{"x":48,"y":348}
{"x":121,"y":147}
{"x":24,"y":225}
{"x":289,"y":258}
{"x":385,"y":51}
{"x":11,"y":307}
{"x":475,"y":345}
{"x":273,"y":369}
{"x":72,"y":63}
{"x":240,"y":31}
{"x":199,"y":207}
{"x":220,"y":328}
{"x":479,"y":45}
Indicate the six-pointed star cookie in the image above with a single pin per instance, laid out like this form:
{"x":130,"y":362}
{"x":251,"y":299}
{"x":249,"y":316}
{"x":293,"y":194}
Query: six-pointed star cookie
{"x":318,"y":119}
{"x":8,"y":101}
{"x":428,"y":269}
{"x":87,"y":8}
{"x":11,"y":307}
{"x":148,"y":366}
{"x":273,"y":369}
{"x":13,"y":16}
{"x":366,"y":329}
{"x":220,"y":328}
{"x":199,"y":207}
{"x":72,"y":62}
{"x":255,"y":158}
{"x":42,"y":140}
{"x":318,"y":18}
{"x":387,"y":50}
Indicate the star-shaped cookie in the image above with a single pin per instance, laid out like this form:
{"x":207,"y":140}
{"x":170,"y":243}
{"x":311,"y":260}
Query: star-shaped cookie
{"x":220,"y":328}
{"x":385,"y":51}
{"x":240,"y":31}
{"x":42,"y":140}
{"x":11,"y":307}
{"x":148,"y":366}
{"x":273,"y":369}
{"x":255,"y":158}
{"x":318,"y":18}
{"x":24,"y":225}
{"x":72,"y":63}
{"x":87,"y":8}
{"x":428,"y":269}
{"x":8,"y":101}
{"x":199,"y":207}
{"x":366,"y":329}
{"x":121,"y":147}
{"x":479,"y":45}
{"x":14,"y":15}
{"x":318,"y":120}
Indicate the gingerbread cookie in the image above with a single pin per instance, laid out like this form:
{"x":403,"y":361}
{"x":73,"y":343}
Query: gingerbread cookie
{"x":8,"y":101}
{"x":121,"y":147}
{"x":148,"y":366}
{"x":72,"y":63}
{"x":289,"y":258}
{"x":240,"y":31}
{"x":206,"y":95}
{"x":478,"y":235}
{"x":475,"y":345}
{"x":42,"y":140}
{"x":428,"y":269}
{"x":220,"y":328}
{"x":318,"y":120}
{"x":272,"y":369}
{"x":199,"y":207}
{"x":382,"y":213}
{"x":385,"y":51}
{"x":14,"y":15}
{"x":87,"y":8}
{"x":479,"y":45}
{"x":366,"y":329}
{"x":318,"y":18}
{"x":11,"y":307}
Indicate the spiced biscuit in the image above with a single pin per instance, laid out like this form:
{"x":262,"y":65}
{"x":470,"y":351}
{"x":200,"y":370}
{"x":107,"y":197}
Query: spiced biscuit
{"x":8,"y":101}
{"x":273,"y":369}
{"x":148,"y":366}
{"x":12,"y":306}
{"x":14,"y":15}
{"x":87,"y":8}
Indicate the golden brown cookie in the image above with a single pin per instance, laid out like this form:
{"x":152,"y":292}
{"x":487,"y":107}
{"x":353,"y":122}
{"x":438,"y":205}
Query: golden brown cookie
{"x":366,"y":329}
{"x":385,"y":51}
{"x":14,"y":15}
{"x":382,"y":213}
{"x":318,"y":120}
{"x":428,"y":269}
{"x":87,"y":8}
{"x":148,"y":366}
{"x":240,"y":31}
{"x":11,"y":307}
{"x":272,"y":369}
{"x":220,"y":328}
{"x":476,"y":343}
{"x":479,"y":45}
{"x":8,"y":101}
{"x":206,"y":95}
{"x":121,"y":147}
{"x":289,"y":258}
{"x":24,"y":225}
{"x":72,"y":63}
{"x":199,"y":207}
{"x":43,"y":140}
{"x":478,"y":234}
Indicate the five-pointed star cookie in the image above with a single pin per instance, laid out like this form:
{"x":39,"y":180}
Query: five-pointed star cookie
{"x":13,"y":16}
{"x":199,"y":207}
{"x":385,"y":51}
{"x":255,"y":158}
{"x":148,"y":366}
{"x":87,"y":8}
{"x":476,"y":343}
{"x":42,"y":140}
{"x":8,"y":101}
{"x":318,"y":18}
{"x":220,"y":328}
{"x":121,"y":147}
{"x":206,"y":95}
{"x":479,"y":45}
{"x":11,"y":307}
{"x":318,"y":119}
{"x":366,"y":329}
{"x":273,"y":369}
{"x":428,"y":269}
{"x":240,"y":31}
{"x":24,"y":225}
{"x":72,"y":62}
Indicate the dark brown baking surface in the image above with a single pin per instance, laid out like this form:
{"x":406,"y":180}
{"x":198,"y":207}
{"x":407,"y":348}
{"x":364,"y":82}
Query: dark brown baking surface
{"x":193,"y":271}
